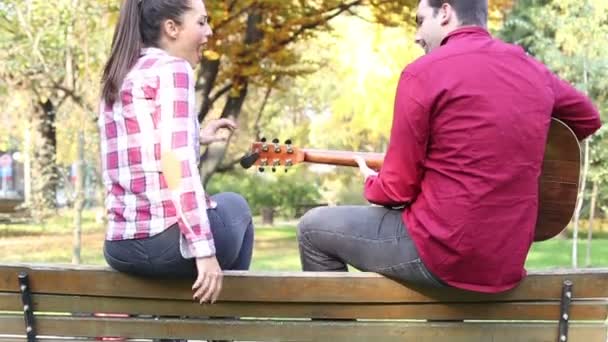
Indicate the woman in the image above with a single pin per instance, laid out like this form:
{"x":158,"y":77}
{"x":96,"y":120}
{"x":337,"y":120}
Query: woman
{"x":161,"y":223}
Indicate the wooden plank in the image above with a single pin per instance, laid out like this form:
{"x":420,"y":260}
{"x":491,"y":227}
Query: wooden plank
{"x":22,"y":338}
{"x":580,"y":310}
{"x":257,"y":330}
{"x":362,"y":287}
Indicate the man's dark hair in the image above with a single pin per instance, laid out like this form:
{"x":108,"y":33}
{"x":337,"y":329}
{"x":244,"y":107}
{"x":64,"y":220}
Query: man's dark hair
{"x":470,"y":12}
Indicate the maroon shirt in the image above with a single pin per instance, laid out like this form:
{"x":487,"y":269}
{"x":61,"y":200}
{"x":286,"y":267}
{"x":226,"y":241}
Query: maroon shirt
{"x":469,"y":131}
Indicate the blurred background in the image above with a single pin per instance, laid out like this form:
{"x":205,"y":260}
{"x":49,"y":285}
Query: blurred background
{"x":321,"y":73}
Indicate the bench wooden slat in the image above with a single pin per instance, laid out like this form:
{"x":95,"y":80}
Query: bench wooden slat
{"x":580,"y":310}
{"x":304,"y":330}
{"x":293,"y":287}
{"x":19,"y":338}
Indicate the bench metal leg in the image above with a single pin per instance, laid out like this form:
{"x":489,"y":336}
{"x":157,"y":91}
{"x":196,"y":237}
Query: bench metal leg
{"x":28,"y":310}
{"x":565,"y":311}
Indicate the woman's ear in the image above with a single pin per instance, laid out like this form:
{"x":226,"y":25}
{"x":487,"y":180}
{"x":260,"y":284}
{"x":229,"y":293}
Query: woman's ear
{"x":170,"y":28}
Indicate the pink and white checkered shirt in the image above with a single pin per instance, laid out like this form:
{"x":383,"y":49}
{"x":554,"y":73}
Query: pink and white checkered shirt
{"x":155,"y":112}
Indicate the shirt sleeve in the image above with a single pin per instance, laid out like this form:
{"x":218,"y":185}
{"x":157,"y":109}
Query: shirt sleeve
{"x":574,"y":108}
{"x":180,"y":134}
{"x":398,"y":181}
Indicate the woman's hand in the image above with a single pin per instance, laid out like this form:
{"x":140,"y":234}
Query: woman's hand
{"x":208,"y":284}
{"x":365,"y":170}
{"x":210,"y":133}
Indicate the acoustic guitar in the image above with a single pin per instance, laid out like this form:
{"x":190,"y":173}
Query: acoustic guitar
{"x":559,"y":181}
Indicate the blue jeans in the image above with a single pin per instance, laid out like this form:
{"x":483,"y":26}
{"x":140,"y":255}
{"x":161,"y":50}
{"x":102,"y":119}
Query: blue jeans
{"x":159,"y":255}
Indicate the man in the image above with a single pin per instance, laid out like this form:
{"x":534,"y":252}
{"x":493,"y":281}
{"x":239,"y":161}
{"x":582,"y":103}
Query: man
{"x":470,"y":124}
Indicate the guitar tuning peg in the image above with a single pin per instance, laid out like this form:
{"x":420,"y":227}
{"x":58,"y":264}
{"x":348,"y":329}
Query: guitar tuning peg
{"x":263,"y":139}
{"x":286,"y":169}
{"x":288,"y":142}
{"x":277,"y":147}
{"x":261,"y":169}
{"x":274,"y":170}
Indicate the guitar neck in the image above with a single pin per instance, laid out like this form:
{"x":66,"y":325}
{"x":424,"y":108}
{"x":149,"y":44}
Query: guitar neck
{"x":342,"y":158}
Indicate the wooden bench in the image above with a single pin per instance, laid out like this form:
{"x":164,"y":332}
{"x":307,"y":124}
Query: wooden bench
{"x":277,"y":307}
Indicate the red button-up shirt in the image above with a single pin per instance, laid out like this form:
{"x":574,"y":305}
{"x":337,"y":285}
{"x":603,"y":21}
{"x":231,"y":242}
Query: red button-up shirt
{"x":469,"y":131}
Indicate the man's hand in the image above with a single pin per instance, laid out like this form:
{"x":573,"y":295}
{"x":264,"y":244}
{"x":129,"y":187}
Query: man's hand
{"x":365,"y":170}
{"x":208,"y":284}
{"x":210,"y":134}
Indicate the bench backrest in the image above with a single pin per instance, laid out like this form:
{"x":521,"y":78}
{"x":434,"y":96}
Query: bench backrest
{"x":275,"y":305}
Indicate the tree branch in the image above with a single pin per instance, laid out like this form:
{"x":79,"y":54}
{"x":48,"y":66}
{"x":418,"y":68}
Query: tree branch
{"x":339,"y":10}
{"x":76,"y":98}
{"x":220,"y":93}
{"x":34,"y":41}
{"x":231,"y":5}
{"x":230,"y":166}
{"x":62,"y":100}
{"x":230,"y":18}
{"x":258,"y":118}
{"x":359,"y":16}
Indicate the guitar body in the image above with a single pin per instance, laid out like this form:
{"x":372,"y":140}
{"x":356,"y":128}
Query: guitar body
{"x":559,"y":181}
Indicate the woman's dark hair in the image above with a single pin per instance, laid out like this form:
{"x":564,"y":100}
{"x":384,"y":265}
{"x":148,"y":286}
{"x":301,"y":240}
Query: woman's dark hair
{"x":139,"y":25}
{"x":470,"y":12}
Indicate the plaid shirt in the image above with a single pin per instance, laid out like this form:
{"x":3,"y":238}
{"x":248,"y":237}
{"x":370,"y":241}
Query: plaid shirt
{"x":154,"y":113}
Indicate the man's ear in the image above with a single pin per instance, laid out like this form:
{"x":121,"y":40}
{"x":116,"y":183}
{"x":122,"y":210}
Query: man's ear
{"x":171,"y":28}
{"x":446,"y":13}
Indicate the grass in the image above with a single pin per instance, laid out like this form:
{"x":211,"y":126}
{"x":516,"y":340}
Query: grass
{"x":275,"y":247}
{"x":558,"y":253}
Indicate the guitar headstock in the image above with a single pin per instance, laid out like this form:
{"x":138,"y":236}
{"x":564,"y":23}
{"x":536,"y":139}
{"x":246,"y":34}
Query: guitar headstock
{"x":265,"y":154}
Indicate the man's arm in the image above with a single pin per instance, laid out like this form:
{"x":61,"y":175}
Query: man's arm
{"x":399,"y":179}
{"x":574,"y":109}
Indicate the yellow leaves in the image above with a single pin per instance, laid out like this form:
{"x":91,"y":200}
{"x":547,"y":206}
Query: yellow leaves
{"x":581,"y":25}
{"x":497,"y":9}
{"x":211,"y":55}
{"x":500,"y":5}
{"x":365,"y":63}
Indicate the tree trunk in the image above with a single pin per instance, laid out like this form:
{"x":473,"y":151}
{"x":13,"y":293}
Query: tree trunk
{"x":27,"y":165}
{"x":79,"y":200}
{"x":44,"y":175}
{"x":267,"y":215}
{"x":591,"y":218}
{"x":586,"y":162}
{"x":210,"y":68}
{"x":215,"y":153}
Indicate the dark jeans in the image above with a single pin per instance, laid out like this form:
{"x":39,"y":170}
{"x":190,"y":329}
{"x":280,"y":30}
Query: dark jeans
{"x":159,"y":255}
{"x":369,"y":238}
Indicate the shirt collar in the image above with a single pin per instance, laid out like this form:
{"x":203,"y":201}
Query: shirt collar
{"x":152,"y":51}
{"x":467,"y":31}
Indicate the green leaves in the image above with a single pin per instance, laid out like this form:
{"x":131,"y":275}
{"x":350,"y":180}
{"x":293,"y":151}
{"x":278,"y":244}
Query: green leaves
{"x":571,"y":37}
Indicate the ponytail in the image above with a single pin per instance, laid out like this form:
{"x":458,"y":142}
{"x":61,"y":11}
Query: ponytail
{"x":139,"y":25}
{"x":126,"y":47}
